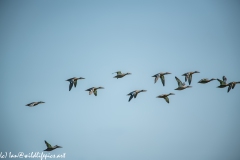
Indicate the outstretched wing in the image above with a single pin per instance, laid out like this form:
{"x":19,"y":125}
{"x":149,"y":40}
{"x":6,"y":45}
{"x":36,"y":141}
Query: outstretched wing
{"x":70,"y":86}
{"x":130,"y":98}
{"x":233,"y":85}
{"x":156,"y":78}
{"x":180,"y":84}
{"x":189,"y":79}
{"x":166,"y":99}
{"x":95,"y":92}
{"x":135,"y":94}
{"x":230,"y":87}
{"x":118,"y":72}
{"x":162,"y":79}
{"x":75,"y":83}
{"x":221,"y":82}
{"x":48,"y":145}
{"x":186,"y":76}
{"x":224,"y":79}
{"x":91,"y":91}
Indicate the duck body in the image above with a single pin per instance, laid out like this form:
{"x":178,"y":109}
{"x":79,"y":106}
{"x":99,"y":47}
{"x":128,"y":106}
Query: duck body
{"x":223,"y":86}
{"x":183,"y":87}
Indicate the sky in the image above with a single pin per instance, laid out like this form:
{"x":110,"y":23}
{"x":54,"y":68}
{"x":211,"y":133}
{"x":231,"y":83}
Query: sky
{"x":44,"y":43}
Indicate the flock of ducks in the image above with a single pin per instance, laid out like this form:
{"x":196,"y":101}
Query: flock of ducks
{"x":181,"y":86}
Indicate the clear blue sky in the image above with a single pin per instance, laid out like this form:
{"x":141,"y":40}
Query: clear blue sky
{"x":43,"y":43}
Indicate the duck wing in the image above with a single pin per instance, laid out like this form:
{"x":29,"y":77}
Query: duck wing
{"x":70,"y":86}
{"x":233,"y":85}
{"x":162,"y":79}
{"x":119,"y":72}
{"x":130,"y":98}
{"x":189,"y":79}
{"x":91,"y":91}
{"x":186,"y":76}
{"x":48,"y":145}
{"x":180,"y":84}
{"x":221,"y":82}
{"x":166,"y":99}
{"x":95,"y":92}
{"x":229,"y":87}
{"x":135,"y":95}
{"x":224,"y":79}
{"x":156,"y":78}
{"x":75,"y":83}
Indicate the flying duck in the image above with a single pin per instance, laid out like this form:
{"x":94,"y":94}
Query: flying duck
{"x":73,"y":81}
{"x":181,"y":85}
{"x":188,"y":76}
{"x":50,"y":148}
{"x":165,"y":96}
{"x":94,"y":90}
{"x":161,"y":76}
{"x":134,"y":94}
{"x":205,"y":80}
{"x":120,"y":74}
{"x":232,"y":85}
{"x":34,"y":103}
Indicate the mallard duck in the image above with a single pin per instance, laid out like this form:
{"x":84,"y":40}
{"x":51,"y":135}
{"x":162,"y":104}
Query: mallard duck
{"x":188,"y":76}
{"x":73,"y":81}
{"x":34,"y":103}
{"x":50,"y":148}
{"x":161,"y":76}
{"x":165,"y":96}
{"x":181,"y":85}
{"x":232,"y":85}
{"x":205,"y":80}
{"x":134,"y":94}
{"x":94,"y":90}
{"x":120,"y":74}
{"x":223,"y":82}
